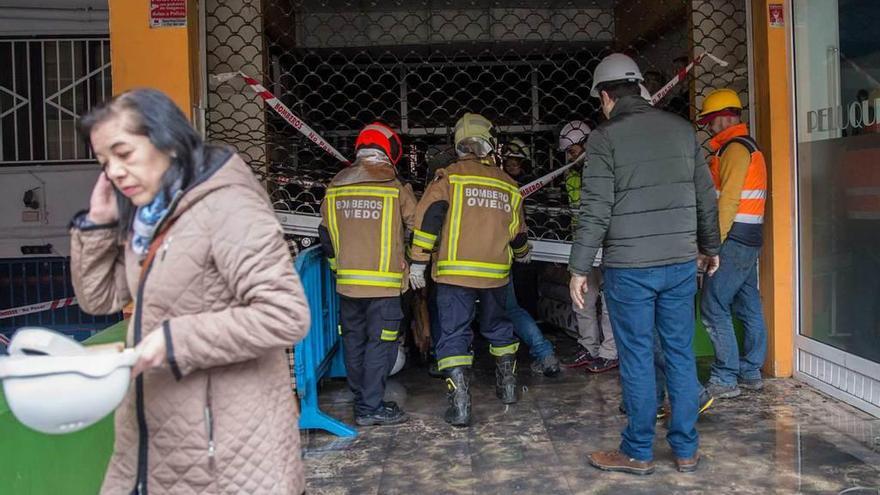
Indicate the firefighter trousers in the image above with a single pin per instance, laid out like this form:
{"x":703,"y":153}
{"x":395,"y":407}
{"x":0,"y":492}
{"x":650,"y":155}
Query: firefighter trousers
{"x":370,"y":327}
{"x":456,"y":309}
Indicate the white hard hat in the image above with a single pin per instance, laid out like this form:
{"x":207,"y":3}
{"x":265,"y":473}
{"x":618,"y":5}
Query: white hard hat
{"x":615,"y":67}
{"x":55,"y":385}
{"x":400,"y":361}
{"x":574,"y":132}
{"x":517,"y":148}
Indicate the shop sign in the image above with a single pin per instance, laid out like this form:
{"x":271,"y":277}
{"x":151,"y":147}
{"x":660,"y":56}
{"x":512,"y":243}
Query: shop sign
{"x":167,"y":13}
{"x":858,"y":115}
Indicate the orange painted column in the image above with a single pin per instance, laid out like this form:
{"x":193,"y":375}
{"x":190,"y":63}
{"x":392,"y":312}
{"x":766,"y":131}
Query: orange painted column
{"x":164,"y":58}
{"x":774,"y":131}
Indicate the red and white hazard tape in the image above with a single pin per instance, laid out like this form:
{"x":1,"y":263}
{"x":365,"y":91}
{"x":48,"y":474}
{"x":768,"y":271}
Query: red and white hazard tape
{"x":530,"y":188}
{"x":537,"y":184}
{"x":526,"y":190}
{"x":662,"y":92}
{"x":36,"y":308}
{"x":282,"y":110}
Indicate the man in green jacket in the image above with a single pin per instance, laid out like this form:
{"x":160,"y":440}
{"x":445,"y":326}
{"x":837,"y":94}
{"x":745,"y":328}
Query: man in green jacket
{"x":648,"y":200}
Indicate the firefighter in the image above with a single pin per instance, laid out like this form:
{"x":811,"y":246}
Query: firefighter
{"x":472,"y":214}
{"x":364,"y":216}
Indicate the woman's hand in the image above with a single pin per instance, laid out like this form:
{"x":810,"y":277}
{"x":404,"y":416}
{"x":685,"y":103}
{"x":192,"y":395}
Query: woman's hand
{"x":151,"y":352}
{"x":102,"y":205}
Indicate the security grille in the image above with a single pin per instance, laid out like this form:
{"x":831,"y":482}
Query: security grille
{"x":45,"y":85}
{"x":419,"y":65}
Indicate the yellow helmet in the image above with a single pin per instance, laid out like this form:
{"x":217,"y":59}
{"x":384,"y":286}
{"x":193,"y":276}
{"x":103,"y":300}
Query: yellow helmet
{"x":475,"y":134}
{"x":716,"y":101}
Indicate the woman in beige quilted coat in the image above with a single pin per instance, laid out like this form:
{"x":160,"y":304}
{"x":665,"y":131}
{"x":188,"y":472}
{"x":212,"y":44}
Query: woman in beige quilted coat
{"x":186,"y":232}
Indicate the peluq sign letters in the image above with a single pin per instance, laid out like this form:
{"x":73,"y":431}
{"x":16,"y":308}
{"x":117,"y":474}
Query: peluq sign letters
{"x":859,"y":114}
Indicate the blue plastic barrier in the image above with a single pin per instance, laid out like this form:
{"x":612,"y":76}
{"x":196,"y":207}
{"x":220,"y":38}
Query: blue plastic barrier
{"x":25,"y":281}
{"x":319,"y":354}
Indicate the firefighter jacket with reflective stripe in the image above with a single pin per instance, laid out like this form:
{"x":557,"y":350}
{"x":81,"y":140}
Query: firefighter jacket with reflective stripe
{"x":365,"y":212}
{"x":861,"y":181}
{"x":471,"y":217}
{"x":740,"y":177}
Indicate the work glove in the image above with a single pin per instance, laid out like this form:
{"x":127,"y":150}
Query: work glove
{"x":417,"y":276}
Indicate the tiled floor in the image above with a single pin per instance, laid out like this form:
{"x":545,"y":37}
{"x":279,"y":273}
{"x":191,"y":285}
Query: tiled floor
{"x":787,"y":438}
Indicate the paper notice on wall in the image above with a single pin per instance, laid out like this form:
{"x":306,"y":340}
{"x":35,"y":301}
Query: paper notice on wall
{"x":167,"y":13}
{"x":776,"y":13}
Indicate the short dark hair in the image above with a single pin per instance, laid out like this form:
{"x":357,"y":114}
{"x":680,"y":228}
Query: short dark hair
{"x":152,"y":114}
{"x":619,"y":89}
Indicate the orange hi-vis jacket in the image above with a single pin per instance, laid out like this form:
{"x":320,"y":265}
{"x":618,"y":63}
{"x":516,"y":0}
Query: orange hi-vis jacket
{"x":861,"y":183}
{"x":471,"y":218}
{"x":364,"y":216}
{"x":740,"y":177}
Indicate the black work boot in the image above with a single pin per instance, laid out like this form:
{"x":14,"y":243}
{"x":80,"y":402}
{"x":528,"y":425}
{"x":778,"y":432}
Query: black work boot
{"x":505,"y":378}
{"x":459,"y":394}
{"x":389,"y":413}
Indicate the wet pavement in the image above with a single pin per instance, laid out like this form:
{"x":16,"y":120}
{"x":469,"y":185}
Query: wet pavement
{"x":787,"y":438}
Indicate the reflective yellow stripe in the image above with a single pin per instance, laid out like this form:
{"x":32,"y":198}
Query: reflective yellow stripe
{"x":423,"y":239}
{"x":473,"y":269}
{"x":332,"y":262}
{"x":380,"y":191}
{"x":514,"y":224}
{"x":483,"y":181}
{"x":503,"y":351}
{"x":453,"y":361}
{"x":422,"y":244}
{"x":522,"y":249}
{"x":476,"y":264}
{"x":385,"y":251}
{"x":369,"y":278}
{"x":334,"y":228}
{"x":388,"y":335}
{"x":427,"y":236}
{"x":455,"y":228}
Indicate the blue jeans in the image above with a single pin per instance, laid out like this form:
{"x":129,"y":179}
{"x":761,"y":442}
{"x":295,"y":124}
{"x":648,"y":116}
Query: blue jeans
{"x":525,"y":327}
{"x":643,"y":301}
{"x":735,"y":287}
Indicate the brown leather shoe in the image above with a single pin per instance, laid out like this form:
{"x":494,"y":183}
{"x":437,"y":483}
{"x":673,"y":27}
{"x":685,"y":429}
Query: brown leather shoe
{"x":688,"y":465}
{"x":617,"y":461}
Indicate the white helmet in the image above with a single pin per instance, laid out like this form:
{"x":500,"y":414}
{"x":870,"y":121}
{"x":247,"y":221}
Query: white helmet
{"x":615,"y":67}
{"x":517,"y":148}
{"x":55,"y":385}
{"x":574,"y":132}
